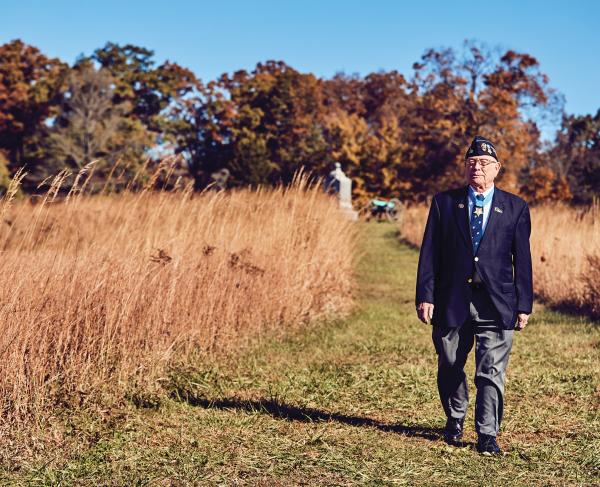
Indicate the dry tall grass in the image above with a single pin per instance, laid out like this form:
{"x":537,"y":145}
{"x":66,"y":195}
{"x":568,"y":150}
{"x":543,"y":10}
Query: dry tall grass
{"x":565,"y":247}
{"x":98,"y":291}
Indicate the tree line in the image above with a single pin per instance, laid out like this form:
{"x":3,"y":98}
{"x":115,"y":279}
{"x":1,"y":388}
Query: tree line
{"x":395,"y":135}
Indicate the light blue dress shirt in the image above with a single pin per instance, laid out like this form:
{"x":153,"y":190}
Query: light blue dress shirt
{"x":486,"y":207}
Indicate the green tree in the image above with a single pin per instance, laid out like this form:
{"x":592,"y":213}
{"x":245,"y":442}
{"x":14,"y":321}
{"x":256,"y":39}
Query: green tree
{"x":262,"y":126}
{"x":576,"y":156}
{"x":149,"y":90}
{"x":90,"y":126}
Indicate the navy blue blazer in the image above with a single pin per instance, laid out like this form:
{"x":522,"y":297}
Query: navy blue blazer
{"x":503,"y":258}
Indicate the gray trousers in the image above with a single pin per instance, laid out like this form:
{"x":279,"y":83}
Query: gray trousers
{"x":492,"y":349}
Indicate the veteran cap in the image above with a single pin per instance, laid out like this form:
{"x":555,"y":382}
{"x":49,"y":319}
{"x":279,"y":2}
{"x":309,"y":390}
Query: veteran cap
{"x":481,"y":147}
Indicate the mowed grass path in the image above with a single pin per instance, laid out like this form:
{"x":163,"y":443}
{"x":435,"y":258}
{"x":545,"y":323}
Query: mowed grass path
{"x":352,"y":402}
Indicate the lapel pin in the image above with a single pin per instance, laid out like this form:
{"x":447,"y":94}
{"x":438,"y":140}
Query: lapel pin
{"x":461,"y":205}
{"x":497,"y":209}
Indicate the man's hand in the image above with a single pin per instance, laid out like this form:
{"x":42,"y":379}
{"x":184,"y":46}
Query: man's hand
{"x":523,"y":317}
{"x":425,"y":312}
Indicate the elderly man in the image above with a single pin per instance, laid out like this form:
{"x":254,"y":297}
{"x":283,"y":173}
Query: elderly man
{"x":474,"y":284}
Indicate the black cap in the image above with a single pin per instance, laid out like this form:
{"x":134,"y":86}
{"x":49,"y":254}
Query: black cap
{"x":481,"y":147}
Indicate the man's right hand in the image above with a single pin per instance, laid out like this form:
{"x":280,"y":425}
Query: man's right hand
{"x":425,"y":312}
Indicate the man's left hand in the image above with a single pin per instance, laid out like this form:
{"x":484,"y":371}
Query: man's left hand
{"x":522,"y":321}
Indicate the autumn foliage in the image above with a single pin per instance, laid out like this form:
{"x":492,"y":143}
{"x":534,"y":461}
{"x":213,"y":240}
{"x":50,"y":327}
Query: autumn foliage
{"x":396,"y":134}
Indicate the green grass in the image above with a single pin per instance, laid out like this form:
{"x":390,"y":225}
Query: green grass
{"x":352,"y":402}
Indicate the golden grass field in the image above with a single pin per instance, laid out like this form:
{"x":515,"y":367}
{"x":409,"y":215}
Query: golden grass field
{"x":162,"y":338}
{"x":341,"y":402}
{"x":565,"y":247}
{"x":100,"y":294}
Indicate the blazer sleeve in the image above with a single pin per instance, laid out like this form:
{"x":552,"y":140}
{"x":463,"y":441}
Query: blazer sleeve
{"x":522,"y":262}
{"x":429,"y":256}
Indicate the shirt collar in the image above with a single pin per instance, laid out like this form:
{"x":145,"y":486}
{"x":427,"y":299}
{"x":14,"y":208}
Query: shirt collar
{"x":485,"y":193}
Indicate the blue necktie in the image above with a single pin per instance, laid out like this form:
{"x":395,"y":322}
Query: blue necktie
{"x":477,"y":222}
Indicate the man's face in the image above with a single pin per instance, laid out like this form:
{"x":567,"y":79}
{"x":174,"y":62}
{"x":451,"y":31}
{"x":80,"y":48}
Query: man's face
{"x":481,"y":170}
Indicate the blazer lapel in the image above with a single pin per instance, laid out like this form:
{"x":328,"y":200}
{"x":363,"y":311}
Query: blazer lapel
{"x":461,"y":213}
{"x":496,"y":212}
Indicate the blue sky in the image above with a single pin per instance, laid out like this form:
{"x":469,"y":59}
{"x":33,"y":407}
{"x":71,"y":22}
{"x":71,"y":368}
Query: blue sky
{"x":322,"y":37}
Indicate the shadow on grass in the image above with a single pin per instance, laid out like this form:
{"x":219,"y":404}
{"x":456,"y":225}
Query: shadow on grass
{"x":573,"y":310}
{"x":395,"y":235}
{"x":404,"y":241}
{"x":280,"y":410}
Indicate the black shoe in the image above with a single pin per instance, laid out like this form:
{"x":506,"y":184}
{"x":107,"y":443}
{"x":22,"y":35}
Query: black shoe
{"x":487,"y":445}
{"x":453,"y":431}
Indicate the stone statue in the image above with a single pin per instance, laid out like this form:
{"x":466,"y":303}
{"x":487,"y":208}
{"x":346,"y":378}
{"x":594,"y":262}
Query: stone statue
{"x":341,"y":185}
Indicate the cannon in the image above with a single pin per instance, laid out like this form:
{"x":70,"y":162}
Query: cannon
{"x":381,"y":208}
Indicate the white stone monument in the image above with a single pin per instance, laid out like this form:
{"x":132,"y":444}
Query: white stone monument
{"x":343,"y":184}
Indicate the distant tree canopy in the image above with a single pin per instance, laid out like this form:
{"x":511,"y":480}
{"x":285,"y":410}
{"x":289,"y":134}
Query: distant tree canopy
{"x":29,"y":91}
{"x":576,"y":156}
{"x":92,"y":126}
{"x":396,"y":135}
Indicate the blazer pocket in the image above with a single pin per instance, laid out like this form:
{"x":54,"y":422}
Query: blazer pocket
{"x":507,"y":287}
